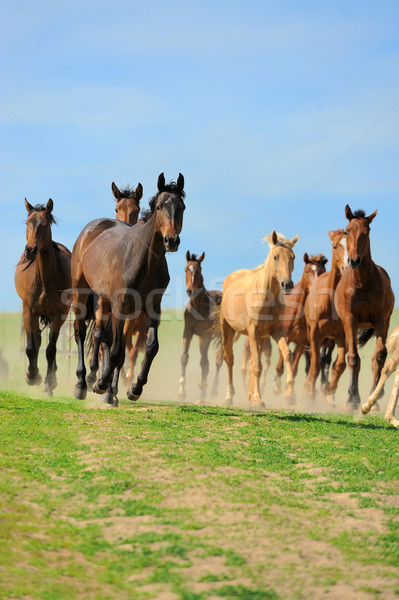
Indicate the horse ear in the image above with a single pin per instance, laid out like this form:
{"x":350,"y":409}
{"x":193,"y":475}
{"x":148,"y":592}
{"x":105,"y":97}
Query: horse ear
{"x":201,"y":258}
{"x":180,"y":182}
{"x":115,"y":191}
{"x":295,"y":239}
{"x":49,"y":206}
{"x":306,"y":258}
{"x":324,"y":261}
{"x":138,"y":193}
{"x":28,"y":206}
{"x":348,"y":213}
{"x":188,"y":255}
{"x":274,"y":238}
{"x":371,"y":217}
{"x":161,"y":182}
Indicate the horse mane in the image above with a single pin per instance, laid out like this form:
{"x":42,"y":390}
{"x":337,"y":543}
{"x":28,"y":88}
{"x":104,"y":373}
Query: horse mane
{"x":193,"y":257}
{"x":281,"y":239}
{"x":359,"y":214}
{"x":40,"y":208}
{"x":129,"y":192}
{"x":319,"y":258}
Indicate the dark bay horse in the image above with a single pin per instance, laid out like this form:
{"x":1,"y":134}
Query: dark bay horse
{"x":126,"y":267}
{"x":294,"y":314}
{"x":363,"y":299}
{"x":322,"y":322}
{"x":127,"y":209}
{"x":42,"y":281}
{"x":199,"y":317}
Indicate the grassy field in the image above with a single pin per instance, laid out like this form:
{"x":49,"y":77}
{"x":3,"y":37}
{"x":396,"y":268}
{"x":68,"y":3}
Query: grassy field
{"x":159,"y":500}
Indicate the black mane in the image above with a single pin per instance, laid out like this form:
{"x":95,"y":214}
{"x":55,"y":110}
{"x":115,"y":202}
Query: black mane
{"x":193,"y":257}
{"x":359,"y":214}
{"x":129,"y":192}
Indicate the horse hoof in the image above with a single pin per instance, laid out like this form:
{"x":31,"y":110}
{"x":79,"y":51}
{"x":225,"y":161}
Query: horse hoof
{"x":228,"y":403}
{"x":200,"y":402}
{"x":181,"y":396}
{"x":289,"y":398}
{"x":257,"y":406}
{"x":97,"y":389}
{"x":132,"y":396}
{"x":33,"y":380}
{"x":365,"y":409}
{"x":80,"y":393}
{"x":108,"y":398}
{"x":351,"y":407}
{"x":48,"y":392}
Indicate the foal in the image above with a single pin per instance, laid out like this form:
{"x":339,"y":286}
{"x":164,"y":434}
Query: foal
{"x":199,"y":318}
{"x":42,"y":277}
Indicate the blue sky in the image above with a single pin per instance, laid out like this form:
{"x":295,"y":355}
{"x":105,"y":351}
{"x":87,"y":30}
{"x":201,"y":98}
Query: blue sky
{"x":278,"y":114}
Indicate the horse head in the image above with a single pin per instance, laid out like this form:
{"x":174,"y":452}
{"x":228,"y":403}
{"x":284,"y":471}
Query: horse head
{"x":194,"y":279}
{"x":314,"y":266}
{"x":357,"y":232}
{"x":282,"y":260}
{"x":127,"y":203}
{"x":339,"y":249}
{"x":168,"y":203}
{"x":38,"y":228}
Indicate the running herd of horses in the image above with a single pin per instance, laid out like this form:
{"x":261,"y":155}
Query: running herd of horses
{"x":117,"y":274}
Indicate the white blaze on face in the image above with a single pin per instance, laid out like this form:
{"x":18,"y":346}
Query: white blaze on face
{"x":344,"y":245}
{"x":314,"y":269}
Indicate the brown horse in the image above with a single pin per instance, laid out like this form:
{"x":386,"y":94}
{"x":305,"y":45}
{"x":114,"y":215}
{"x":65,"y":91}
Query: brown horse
{"x":251,"y":305}
{"x":42,"y":280}
{"x":294,"y":315}
{"x":126,"y":267}
{"x":199,"y":317}
{"x":127,"y":209}
{"x":321,"y":320}
{"x":389,"y":368}
{"x":363,"y":299}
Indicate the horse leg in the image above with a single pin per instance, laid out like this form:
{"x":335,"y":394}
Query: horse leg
{"x":204,"y":362}
{"x":267,"y":350}
{"x":279,"y":336}
{"x":338,"y":368}
{"x":255,"y":369}
{"x":386,"y":372}
{"x":151,"y":350}
{"x":380,"y":355}
{"x":50,"y":381}
{"x":245,"y":358}
{"x":227,"y":345}
{"x":277,"y":388}
{"x":33,"y":341}
{"x":219,"y":362}
{"x":315,"y":342}
{"x":354,"y":362}
{"x":187,"y":337}
{"x":102,"y":318}
{"x":139,"y":341}
{"x":325,"y":361}
{"x":307,"y":361}
{"x":116,"y":353}
{"x":390,"y":412}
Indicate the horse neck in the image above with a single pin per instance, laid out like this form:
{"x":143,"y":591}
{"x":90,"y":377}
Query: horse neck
{"x":46,"y":264}
{"x":200,"y":297}
{"x":153,"y":248}
{"x":334,"y":274}
{"x":365,"y":272}
{"x":265,"y":279}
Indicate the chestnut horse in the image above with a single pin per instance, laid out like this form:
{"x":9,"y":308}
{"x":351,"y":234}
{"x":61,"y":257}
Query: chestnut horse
{"x":389,"y":368}
{"x":126,"y":267}
{"x":127,"y":209}
{"x":294,"y":315}
{"x":322,"y":322}
{"x":363,"y":299}
{"x":251,"y":306}
{"x":42,"y":281}
{"x":199,"y":317}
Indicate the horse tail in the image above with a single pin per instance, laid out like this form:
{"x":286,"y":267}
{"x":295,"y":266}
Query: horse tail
{"x":364,"y":336}
{"x":89,"y":342}
{"x":45,"y":320}
{"x":215,"y":317}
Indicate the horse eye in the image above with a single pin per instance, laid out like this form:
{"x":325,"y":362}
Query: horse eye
{"x":158,"y":207}
{"x":116,"y":210}
{"x":275,"y":257}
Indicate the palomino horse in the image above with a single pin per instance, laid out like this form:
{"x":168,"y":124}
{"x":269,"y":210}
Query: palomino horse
{"x":294,"y":316}
{"x":363,"y":299}
{"x":126,"y":267}
{"x":251,"y":306}
{"x":322,"y":323}
{"x":42,"y":277}
{"x":266,"y":350}
{"x":389,"y":368}
{"x":199,"y":317}
{"x":127,"y":209}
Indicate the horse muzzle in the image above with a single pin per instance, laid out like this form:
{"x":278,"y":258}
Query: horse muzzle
{"x":286,"y":286}
{"x":171,"y":243}
{"x":354,"y":263}
{"x":189,"y":293}
{"x":30,"y":252}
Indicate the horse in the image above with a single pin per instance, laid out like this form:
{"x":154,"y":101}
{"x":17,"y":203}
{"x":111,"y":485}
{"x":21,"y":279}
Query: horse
{"x":126,"y":267}
{"x":389,"y":368}
{"x":127,"y":209}
{"x":364,"y":299}
{"x":321,"y":322}
{"x":294,"y":316}
{"x":199,"y":318}
{"x":251,"y":306}
{"x":42,"y":281}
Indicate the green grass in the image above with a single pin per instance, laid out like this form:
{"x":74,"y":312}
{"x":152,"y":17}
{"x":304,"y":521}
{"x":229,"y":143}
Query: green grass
{"x":198,"y":502}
